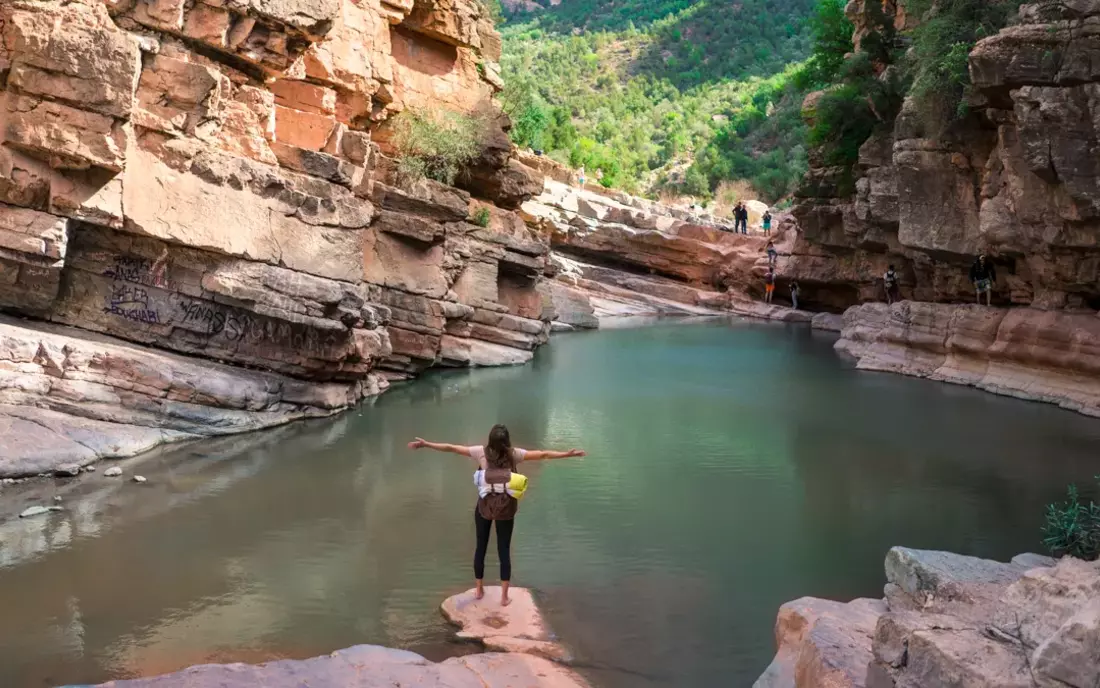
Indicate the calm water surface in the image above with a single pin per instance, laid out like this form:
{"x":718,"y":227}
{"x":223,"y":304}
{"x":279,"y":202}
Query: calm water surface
{"x":733,"y":466}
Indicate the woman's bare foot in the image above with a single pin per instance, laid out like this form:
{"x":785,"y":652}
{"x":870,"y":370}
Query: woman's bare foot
{"x":479,"y":590}
{"x":504,"y":601}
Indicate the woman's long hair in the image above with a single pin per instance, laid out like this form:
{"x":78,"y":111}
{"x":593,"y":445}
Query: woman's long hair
{"x":498,"y":452}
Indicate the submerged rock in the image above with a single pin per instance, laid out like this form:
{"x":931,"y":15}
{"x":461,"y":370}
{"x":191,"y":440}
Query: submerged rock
{"x":67,"y":470}
{"x":37,"y":511}
{"x":519,"y":627}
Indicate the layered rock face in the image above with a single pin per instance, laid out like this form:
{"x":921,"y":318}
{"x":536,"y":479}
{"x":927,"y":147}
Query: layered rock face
{"x":1018,"y":178}
{"x":948,"y":620}
{"x":200,"y":178}
{"x":1050,"y":356}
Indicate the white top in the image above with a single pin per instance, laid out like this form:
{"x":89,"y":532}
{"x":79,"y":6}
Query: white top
{"x":478,"y":454}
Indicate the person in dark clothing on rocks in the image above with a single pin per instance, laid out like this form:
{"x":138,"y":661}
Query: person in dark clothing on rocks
{"x":983,"y":276}
{"x":769,"y":285}
{"x":743,"y":218}
{"x":890,"y":282}
{"x":794,"y":294}
{"x":773,"y":255}
{"x":499,"y":489}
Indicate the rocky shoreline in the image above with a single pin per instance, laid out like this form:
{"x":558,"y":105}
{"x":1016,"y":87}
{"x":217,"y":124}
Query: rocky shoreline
{"x":517,"y":637}
{"x":948,"y":620}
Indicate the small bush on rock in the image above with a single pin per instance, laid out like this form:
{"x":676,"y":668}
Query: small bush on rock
{"x":1073,"y":527}
{"x":481,"y":217}
{"x":437,"y":144}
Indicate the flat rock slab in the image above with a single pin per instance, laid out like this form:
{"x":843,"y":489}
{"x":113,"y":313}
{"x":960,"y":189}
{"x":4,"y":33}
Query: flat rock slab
{"x":37,"y":440}
{"x":517,"y":628}
{"x":370,"y":666}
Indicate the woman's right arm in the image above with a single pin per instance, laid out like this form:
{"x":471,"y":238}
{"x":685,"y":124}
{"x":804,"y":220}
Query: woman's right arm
{"x":419,"y":443}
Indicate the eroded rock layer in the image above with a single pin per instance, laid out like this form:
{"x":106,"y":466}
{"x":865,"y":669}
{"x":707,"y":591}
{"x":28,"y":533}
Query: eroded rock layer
{"x":1051,"y":356}
{"x":212,"y":179}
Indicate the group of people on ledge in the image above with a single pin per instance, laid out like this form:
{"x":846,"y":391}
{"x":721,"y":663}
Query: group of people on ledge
{"x":582,"y":176}
{"x":741,"y":219}
{"x":982,"y":275}
{"x":770,"y":276}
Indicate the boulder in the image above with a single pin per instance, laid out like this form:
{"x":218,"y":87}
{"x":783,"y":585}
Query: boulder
{"x":519,"y":627}
{"x":370,"y":666}
{"x":949,"y":620}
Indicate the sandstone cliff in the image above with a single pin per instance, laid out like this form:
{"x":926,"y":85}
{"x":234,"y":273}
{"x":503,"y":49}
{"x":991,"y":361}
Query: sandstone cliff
{"x":1017,"y":178}
{"x":196,"y":183}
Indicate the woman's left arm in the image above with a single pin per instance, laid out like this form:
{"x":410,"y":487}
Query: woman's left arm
{"x":548,"y":455}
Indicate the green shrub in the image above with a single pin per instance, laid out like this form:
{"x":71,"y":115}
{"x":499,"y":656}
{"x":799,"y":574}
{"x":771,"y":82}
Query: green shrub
{"x":437,"y":144}
{"x":1073,"y":528}
{"x":938,"y":60}
{"x":832,"y":33}
{"x":481,"y":217}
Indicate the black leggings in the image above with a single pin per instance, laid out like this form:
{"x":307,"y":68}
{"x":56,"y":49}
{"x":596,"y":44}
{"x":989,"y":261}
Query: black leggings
{"x":504,"y":546}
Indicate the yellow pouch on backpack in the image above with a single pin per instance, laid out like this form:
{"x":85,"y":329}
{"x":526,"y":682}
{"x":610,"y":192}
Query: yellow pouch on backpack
{"x":517,"y":486}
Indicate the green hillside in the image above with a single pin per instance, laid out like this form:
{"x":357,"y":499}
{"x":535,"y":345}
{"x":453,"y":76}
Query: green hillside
{"x":643,"y":89}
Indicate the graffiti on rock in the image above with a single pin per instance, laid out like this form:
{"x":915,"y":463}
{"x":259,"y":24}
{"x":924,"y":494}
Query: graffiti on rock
{"x":131,"y":303}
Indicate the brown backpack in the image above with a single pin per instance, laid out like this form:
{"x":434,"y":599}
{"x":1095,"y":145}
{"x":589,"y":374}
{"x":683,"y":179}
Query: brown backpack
{"x":497,"y":506}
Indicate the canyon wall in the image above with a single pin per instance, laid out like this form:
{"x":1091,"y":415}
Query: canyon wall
{"x":1018,"y":178}
{"x":202,"y":217}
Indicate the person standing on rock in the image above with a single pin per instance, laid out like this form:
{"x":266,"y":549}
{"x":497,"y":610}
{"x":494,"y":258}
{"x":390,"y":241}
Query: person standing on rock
{"x":890,"y":281}
{"x":580,"y":176}
{"x":794,"y":294}
{"x":743,"y":217}
{"x":499,"y":487}
{"x":767,"y":221}
{"x":769,"y":284}
{"x":983,"y":276}
{"x":773,"y":255}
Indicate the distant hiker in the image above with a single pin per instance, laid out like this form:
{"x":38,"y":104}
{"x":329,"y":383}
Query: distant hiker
{"x":767,"y":221}
{"x":794,"y":295}
{"x":773,"y":255}
{"x":580,"y":176}
{"x":769,"y":285}
{"x":890,"y":281}
{"x":499,"y":489}
{"x":984,"y":276}
{"x":599,"y":174}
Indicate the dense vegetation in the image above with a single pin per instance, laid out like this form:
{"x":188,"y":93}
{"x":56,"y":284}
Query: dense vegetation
{"x":437,"y":144}
{"x":690,"y":95}
{"x":640,"y":88}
